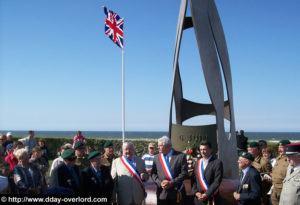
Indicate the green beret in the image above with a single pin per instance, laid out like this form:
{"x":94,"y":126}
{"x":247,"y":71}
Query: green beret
{"x":93,"y":154}
{"x":246,"y":155}
{"x":284,"y":142}
{"x":253,"y":144}
{"x":108,"y":144}
{"x":67,"y":153}
{"x":78,"y":144}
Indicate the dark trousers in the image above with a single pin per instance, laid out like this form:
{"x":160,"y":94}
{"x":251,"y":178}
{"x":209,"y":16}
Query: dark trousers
{"x":166,"y":202}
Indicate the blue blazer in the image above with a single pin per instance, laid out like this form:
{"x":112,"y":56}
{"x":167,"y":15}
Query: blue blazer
{"x":250,"y":188}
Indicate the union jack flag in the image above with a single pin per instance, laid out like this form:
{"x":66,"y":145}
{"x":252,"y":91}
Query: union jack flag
{"x":114,"y":27}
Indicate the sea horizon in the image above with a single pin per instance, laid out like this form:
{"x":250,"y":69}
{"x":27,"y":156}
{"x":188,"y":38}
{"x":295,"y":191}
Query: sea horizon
{"x":252,"y":136}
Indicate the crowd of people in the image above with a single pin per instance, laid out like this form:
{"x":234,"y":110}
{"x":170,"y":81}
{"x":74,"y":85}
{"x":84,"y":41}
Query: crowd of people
{"x":121,"y":179}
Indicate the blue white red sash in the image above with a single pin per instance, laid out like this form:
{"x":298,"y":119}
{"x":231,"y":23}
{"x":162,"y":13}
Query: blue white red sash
{"x":166,"y":167}
{"x":132,"y":170}
{"x":201,"y":177}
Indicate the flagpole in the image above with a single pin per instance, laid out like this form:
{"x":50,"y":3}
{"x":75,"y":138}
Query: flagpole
{"x":123,"y":98}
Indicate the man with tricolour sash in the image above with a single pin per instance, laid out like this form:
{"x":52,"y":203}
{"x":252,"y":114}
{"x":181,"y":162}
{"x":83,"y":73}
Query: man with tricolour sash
{"x":129,"y":173}
{"x":168,"y":172}
{"x":207,"y":177}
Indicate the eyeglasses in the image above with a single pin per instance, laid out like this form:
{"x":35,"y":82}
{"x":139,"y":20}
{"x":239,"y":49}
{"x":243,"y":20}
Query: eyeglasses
{"x":151,"y":147}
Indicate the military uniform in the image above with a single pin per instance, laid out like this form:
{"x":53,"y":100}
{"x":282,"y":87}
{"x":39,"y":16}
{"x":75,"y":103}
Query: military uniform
{"x":263,"y":166}
{"x":107,"y":161}
{"x":278,"y":175}
{"x":82,"y":163}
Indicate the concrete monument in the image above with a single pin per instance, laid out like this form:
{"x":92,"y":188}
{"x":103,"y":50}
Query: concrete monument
{"x":214,"y":58}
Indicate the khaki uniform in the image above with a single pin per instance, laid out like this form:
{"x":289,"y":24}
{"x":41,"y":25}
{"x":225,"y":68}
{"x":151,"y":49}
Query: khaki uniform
{"x":278,"y":175}
{"x":82,"y":163}
{"x":107,"y":161}
{"x":290,"y":194}
{"x":263,"y":166}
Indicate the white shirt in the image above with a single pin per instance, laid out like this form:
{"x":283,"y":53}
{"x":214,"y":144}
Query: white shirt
{"x":205,"y":162}
{"x":245,"y":172}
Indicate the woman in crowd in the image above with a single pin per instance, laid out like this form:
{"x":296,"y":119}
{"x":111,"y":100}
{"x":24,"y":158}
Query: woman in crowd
{"x":27,"y":176}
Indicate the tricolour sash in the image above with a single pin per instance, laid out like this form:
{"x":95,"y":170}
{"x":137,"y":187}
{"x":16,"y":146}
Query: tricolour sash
{"x":132,"y":170}
{"x":201,"y":177}
{"x":166,"y":167}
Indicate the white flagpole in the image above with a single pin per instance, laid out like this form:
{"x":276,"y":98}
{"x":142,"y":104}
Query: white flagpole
{"x":123,"y":98}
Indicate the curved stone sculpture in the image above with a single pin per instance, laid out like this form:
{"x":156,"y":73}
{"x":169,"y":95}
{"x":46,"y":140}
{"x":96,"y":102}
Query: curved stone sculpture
{"x":213,"y":49}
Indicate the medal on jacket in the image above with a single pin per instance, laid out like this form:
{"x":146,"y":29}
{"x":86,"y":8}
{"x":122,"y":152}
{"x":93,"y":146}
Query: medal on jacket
{"x":166,"y":167}
{"x":132,"y":170}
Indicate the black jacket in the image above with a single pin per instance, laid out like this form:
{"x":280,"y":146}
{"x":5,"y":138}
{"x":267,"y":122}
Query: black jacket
{"x":250,"y":188}
{"x":213,"y":175}
{"x":91,"y":184}
{"x":64,"y":178}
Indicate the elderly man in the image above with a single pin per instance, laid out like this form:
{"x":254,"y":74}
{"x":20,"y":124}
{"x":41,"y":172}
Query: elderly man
{"x":290,"y":194}
{"x":168,"y":172}
{"x":82,"y":158}
{"x":67,"y":174}
{"x":248,"y":192}
{"x":29,"y":142}
{"x":128,"y":173}
{"x":96,"y":179}
{"x":108,"y":155}
{"x":263,"y":166}
{"x":207,"y":177}
{"x":27,"y":176}
{"x":279,"y":172}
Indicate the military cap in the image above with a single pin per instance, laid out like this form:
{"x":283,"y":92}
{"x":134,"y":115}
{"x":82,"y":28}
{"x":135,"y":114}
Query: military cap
{"x":108,"y":144}
{"x":246,"y":155}
{"x":284,"y":142}
{"x":93,"y":155}
{"x":253,"y":144}
{"x":292,"y":148}
{"x":67,"y":153}
{"x":78,"y":144}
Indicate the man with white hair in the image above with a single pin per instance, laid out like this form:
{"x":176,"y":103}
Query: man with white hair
{"x":290,"y":194}
{"x":27,"y":176}
{"x":168,"y":172}
{"x":128,"y":173}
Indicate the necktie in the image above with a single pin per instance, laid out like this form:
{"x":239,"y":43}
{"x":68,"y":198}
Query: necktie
{"x":75,"y":177}
{"x":241,"y":177}
{"x":99,"y":176}
{"x":292,"y":170}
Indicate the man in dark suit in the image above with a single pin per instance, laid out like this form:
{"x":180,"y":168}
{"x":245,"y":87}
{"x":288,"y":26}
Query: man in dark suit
{"x":67,"y":173}
{"x":249,"y":189}
{"x":168,"y":172}
{"x":207,"y":177}
{"x":96,"y":179}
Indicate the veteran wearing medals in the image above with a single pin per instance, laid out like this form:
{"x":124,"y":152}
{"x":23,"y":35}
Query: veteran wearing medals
{"x":168,"y":172}
{"x":290,"y":194}
{"x":249,"y":188}
{"x":128,"y":173}
{"x":263,"y":166}
{"x":207,"y":177}
{"x":67,"y":174}
{"x":96,"y":179}
{"x":279,"y":172}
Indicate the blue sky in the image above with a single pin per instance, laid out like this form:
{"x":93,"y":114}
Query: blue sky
{"x":60,"y":72}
